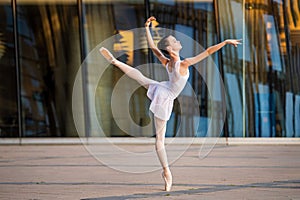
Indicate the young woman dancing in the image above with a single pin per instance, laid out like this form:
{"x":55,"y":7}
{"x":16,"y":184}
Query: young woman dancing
{"x":162,"y":94}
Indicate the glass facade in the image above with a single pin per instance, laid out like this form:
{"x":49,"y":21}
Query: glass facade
{"x":49,"y":57}
{"x":9,"y":121}
{"x":43,"y":44}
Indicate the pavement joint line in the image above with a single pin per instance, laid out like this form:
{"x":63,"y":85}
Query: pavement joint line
{"x":149,"y":141}
{"x":230,"y":172}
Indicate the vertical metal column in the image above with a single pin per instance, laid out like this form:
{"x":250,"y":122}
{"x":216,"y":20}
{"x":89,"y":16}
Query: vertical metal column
{"x":244,"y":70}
{"x":18,"y":70}
{"x":84,"y":71}
{"x":147,"y":8}
{"x":288,"y":44}
{"x":289,"y":54}
{"x":150,"y":55}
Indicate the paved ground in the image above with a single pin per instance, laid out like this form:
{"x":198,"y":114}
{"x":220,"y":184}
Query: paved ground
{"x":71,"y":172}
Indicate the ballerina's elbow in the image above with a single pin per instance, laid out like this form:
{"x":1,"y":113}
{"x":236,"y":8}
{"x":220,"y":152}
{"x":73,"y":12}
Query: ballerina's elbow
{"x":209,"y":51}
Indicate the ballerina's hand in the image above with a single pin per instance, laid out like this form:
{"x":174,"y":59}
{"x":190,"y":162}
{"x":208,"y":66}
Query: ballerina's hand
{"x":149,"y":20}
{"x":234,"y":42}
{"x":107,"y":55}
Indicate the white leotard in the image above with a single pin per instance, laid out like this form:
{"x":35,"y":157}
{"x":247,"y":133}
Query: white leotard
{"x":162,"y":94}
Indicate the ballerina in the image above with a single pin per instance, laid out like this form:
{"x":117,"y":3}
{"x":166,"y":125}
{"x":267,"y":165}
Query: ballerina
{"x":162,"y":94}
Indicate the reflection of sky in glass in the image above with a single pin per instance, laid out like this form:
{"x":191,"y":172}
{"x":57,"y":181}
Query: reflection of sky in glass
{"x":238,"y":19}
{"x":265,"y":108}
{"x":208,"y":5}
{"x":236,"y":105}
{"x":273,"y":42}
{"x":234,"y":28}
{"x":167,"y":2}
{"x":289,"y":105}
{"x":200,"y":4}
{"x":187,"y":46}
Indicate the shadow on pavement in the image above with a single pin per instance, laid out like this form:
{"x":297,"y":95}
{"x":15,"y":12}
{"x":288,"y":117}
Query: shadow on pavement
{"x":290,"y":184}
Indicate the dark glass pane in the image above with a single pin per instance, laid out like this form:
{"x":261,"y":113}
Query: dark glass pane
{"x":8,"y":82}
{"x":49,"y":52}
{"x":292,"y":14}
{"x":103,"y":19}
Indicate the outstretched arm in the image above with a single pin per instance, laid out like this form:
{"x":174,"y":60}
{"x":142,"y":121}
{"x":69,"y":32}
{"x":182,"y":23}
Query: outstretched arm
{"x":164,"y":60}
{"x":209,"y":51}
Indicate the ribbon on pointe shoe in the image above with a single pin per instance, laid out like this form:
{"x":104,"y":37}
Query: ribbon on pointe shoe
{"x":167,"y":185}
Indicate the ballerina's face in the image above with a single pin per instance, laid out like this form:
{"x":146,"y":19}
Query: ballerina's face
{"x":174,"y":43}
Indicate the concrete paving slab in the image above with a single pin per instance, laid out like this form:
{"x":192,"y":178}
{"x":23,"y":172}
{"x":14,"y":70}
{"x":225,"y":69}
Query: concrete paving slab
{"x":228,"y":172}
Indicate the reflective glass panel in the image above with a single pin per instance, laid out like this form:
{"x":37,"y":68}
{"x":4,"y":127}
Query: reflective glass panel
{"x":102,"y":20}
{"x":8,"y":81}
{"x":292,"y":15}
{"x":48,"y":35}
{"x":260,"y":98}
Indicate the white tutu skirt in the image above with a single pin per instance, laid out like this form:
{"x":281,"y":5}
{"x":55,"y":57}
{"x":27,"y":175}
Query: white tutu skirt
{"x":162,"y":100}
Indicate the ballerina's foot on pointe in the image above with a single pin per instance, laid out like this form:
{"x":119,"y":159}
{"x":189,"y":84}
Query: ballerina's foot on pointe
{"x":107,"y":55}
{"x":167,"y":176}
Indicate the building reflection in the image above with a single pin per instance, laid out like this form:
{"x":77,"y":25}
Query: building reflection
{"x":8,"y":96}
{"x":49,"y":57}
{"x":53,"y":38}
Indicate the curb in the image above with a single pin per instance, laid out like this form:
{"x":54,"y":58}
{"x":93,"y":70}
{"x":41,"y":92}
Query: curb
{"x":145,"y":141}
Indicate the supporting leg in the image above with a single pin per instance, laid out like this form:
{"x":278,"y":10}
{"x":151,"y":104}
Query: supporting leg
{"x":160,"y":129}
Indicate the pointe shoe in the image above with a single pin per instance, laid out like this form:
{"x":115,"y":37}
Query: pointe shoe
{"x":107,"y":55}
{"x":168,"y":185}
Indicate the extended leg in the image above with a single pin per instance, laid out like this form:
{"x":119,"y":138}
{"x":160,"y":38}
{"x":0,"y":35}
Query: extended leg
{"x":160,"y":129}
{"x":128,"y":70}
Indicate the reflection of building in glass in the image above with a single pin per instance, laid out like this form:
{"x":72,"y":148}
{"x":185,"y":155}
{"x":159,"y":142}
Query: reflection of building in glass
{"x":266,"y":78}
{"x":45,"y":71}
{"x":43,"y":43}
{"x":2,"y":46}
